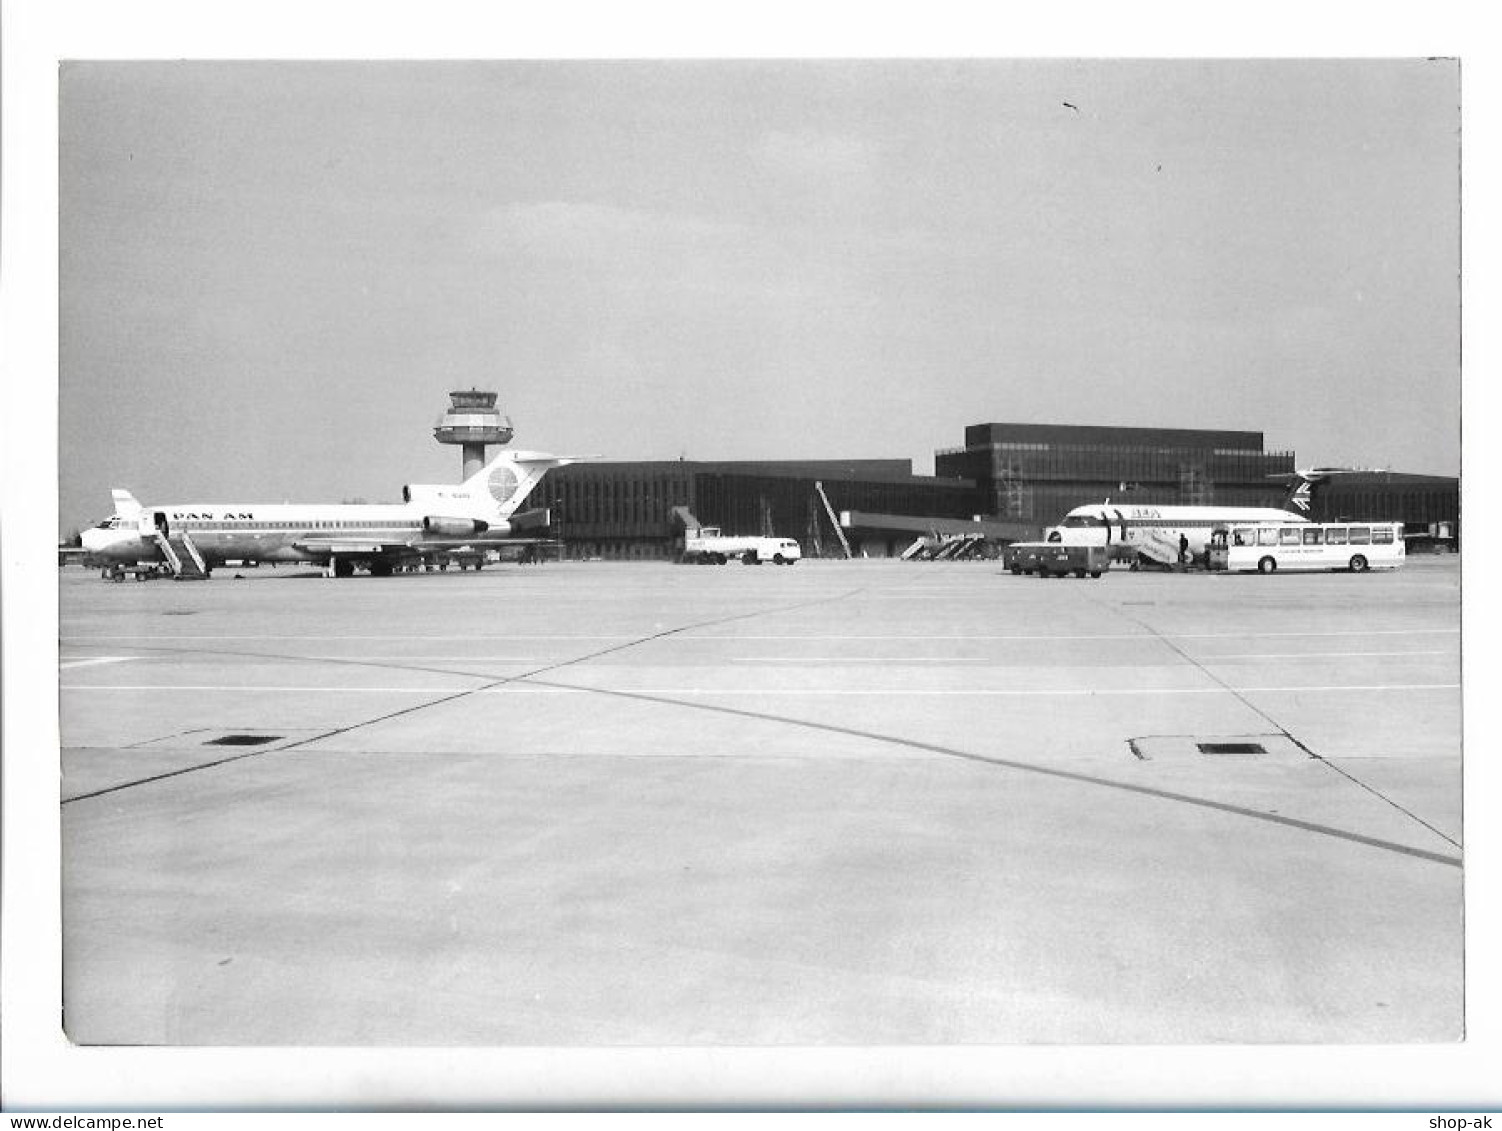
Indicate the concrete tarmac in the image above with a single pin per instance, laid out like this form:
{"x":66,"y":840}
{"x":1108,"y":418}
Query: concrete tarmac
{"x":855,"y":803}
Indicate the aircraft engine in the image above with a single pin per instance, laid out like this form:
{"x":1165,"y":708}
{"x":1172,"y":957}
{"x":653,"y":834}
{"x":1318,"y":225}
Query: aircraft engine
{"x":454,"y":527}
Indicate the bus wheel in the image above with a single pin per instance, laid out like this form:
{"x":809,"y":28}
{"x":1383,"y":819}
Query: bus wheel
{"x":778,"y":559}
{"x":1358,"y":564}
{"x":1267,"y":565}
{"x":1095,"y":573}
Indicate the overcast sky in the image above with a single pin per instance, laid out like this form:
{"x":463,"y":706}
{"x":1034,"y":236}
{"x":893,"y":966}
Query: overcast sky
{"x":273,"y":273}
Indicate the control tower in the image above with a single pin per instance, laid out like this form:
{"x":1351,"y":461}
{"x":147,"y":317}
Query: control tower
{"x":474,"y":421}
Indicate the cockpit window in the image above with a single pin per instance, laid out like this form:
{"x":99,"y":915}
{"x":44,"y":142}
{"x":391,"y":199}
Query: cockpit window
{"x":1076,"y":520}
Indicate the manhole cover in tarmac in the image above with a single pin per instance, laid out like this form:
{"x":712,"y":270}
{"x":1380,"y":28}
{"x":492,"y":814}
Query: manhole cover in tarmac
{"x":1189,"y":748}
{"x":225,"y":736}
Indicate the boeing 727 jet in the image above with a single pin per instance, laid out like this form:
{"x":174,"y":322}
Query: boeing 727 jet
{"x":190,"y":539}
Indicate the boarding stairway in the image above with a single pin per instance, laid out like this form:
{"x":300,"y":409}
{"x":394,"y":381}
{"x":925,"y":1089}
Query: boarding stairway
{"x":945,"y":548}
{"x":182,"y":556}
{"x":1159,"y":548}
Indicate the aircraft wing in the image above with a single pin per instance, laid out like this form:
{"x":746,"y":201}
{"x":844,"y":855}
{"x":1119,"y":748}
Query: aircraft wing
{"x":358,"y":546}
{"x":406,"y":548}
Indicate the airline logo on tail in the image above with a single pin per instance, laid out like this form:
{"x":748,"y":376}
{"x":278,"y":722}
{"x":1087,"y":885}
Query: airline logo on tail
{"x":1305,"y":482}
{"x":507,"y":479}
{"x":502,"y":483}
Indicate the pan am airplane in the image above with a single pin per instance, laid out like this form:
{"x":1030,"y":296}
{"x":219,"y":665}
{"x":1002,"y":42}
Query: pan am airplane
{"x":190,"y":539}
{"x":1153,"y":531}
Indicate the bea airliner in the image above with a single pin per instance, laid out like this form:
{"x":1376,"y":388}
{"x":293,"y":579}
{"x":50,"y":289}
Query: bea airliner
{"x":1155,"y":531}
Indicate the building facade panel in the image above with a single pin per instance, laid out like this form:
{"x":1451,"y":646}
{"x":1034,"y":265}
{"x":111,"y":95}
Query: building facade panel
{"x":626,"y":510}
{"x":1038,"y":472}
{"x":1417,"y":501}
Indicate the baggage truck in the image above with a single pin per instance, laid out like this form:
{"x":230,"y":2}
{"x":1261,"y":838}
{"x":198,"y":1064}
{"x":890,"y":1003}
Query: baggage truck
{"x":1055,"y":559}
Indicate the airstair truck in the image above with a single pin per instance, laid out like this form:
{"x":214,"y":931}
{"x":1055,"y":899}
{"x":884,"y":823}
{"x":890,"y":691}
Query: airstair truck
{"x":707,"y":546}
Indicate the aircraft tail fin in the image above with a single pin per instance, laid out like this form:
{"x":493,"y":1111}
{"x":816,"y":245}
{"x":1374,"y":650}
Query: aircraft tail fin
{"x":511,"y":477}
{"x":1303,"y":485}
{"x":125,"y":503}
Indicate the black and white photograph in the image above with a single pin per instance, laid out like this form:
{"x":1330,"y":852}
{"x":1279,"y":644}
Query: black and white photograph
{"x":709,"y":551}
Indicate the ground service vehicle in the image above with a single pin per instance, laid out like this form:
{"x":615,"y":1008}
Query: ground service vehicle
{"x":1055,"y":558}
{"x":707,"y":546}
{"x":1354,"y":546}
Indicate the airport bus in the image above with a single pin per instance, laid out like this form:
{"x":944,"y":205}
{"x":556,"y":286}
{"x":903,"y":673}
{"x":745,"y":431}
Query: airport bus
{"x":1269,"y":547}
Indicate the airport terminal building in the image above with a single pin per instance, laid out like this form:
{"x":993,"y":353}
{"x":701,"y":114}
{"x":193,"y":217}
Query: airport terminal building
{"x":1035,"y":473}
{"x":637,"y":510}
{"x":1008,"y":481}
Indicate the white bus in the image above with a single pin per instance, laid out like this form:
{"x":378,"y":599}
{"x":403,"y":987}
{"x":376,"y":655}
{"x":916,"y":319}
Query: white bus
{"x":1267,"y":548}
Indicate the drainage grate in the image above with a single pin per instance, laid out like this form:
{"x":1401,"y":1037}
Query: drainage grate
{"x":1231,"y":748}
{"x":243,"y":740}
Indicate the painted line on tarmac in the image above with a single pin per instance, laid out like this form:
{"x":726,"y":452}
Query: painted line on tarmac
{"x":96,"y":660}
{"x":991,"y":659}
{"x":860,"y":659}
{"x":435,"y":697}
{"x":256,"y":687}
{"x":1321,"y":655}
{"x":524,"y":689}
{"x":1241,"y":694}
{"x":373,"y":636}
{"x":786,"y":637}
{"x":1070,"y":775}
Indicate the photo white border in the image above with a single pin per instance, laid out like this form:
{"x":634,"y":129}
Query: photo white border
{"x":42,"y":1072}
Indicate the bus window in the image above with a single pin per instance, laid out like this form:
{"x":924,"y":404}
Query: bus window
{"x":1288,"y":536}
{"x":1360,"y":535}
{"x":1267,"y":536}
{"x":1335,"y":536}
{"x":1382,"y":536}
{"x":1245,"y":537}
{"x":1313,"y":537}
